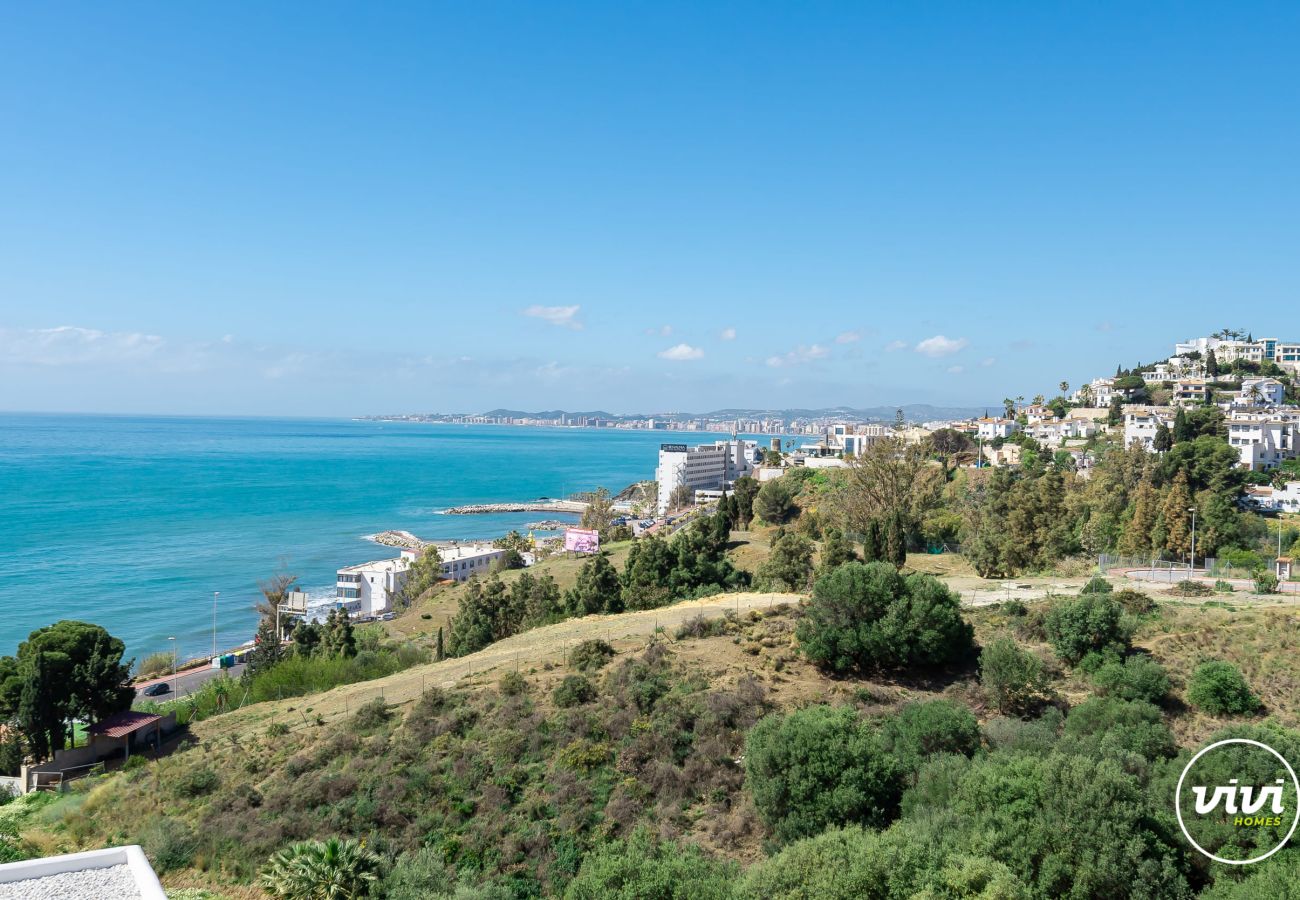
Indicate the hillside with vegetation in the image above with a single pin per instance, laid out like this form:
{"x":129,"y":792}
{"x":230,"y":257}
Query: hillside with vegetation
{"x":777,"y":701}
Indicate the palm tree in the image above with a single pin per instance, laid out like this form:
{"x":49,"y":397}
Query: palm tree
{"x":1010,"y":406}
{"x":321,"y":870}
{"x":1065,"y":388}
{"x":1085,"y":394}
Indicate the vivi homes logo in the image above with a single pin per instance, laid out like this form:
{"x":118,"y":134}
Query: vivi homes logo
{"x":1233,"y":800}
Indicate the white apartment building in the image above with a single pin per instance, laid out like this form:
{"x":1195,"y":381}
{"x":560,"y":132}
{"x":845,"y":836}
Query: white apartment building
{"x":708,"y":467}
{"x":1190,"y":392}
{"x":462,"y":561}
{"x":369,"y":588}
{"x":1098,"y":393}
{"x":1055,"y":433}
{"x":1263,"y":441}
{"x":1141,"y":426}
{"x":1283,"y":499}
{"x":1259,"y":392}
{"x":1284,"y":353}
{"x":991,"y":429}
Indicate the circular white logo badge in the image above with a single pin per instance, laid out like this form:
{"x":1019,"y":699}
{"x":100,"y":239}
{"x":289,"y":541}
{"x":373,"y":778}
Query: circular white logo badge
{"x":1250,"y":805}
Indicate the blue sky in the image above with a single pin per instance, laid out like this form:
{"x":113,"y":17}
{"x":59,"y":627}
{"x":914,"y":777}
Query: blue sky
{"x":333,"y":209}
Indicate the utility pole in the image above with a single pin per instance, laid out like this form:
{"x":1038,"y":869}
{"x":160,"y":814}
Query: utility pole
{"x":214,"y":623}
{"x":1192,"y":510}
{"x":173,"y":640}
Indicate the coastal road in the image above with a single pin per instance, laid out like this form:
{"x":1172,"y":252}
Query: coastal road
{"x":186,"y":682}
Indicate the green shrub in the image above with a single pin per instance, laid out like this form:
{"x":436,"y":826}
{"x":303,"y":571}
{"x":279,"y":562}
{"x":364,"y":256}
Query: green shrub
{"x":1015,"y":608}
{"x":1134,"y":602}
{"x":1014,"y":680}
{"x":195,"y":782}
{"x":1190,"y":588}
{"x":921,"y":730}
{"x":277,"y":729}
{"x":371,"y":715}
{"x":1032,"y":736}
{"x":1223,"y":587}
{"x":1090,"y":622}
{"x":512,"y":684}
{"x":169,"y":845}
{"x":418,"y":875}
{"x":701,"y":627}
{"x":1138,"y":677}
{"x":866,"y":616}
{"x":1108,"y":726}
{"x":574,"y":690}
{"x":644,"y":867}
{"x":1265,"y":582}
{"x":590,"y":655}
{"x":817,"y":767}
{"x":321,"y":869}
{"x":1219,"y":689}
{"x":1097,"y":585}
{"x":155,"y":664}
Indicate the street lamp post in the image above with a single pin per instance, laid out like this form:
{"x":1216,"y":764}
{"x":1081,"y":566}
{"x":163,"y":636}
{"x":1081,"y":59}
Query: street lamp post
{"x":214,"y":623}
{"x":173,"y":640}
{"x":1192,"y":510}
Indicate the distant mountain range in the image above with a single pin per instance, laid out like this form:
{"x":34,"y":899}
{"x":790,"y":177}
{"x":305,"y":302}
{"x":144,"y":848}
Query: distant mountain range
{"x":913,"y":412}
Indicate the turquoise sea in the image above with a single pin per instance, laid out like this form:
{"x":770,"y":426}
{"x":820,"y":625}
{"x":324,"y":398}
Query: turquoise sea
{"x":132,"y":522}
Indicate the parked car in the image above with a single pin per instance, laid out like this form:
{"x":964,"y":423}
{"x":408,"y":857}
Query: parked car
{"x":386,"y":617}
{"x":158,"y":689}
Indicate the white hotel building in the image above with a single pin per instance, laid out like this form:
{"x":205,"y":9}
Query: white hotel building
{"x":368,"y":589}
{"x":708,"y":467}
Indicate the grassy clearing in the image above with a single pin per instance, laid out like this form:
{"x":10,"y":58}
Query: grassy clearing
{"x":439,"y":605}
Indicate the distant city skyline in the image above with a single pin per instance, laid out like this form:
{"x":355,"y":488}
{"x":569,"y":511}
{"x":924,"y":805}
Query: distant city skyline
{"x":411,"y":207}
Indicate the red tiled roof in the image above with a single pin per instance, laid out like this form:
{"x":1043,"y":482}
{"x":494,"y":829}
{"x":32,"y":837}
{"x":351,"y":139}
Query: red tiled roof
{"x":124,"y":723}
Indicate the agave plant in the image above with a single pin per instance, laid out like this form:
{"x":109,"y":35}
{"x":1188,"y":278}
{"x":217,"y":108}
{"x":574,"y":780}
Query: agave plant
{"x":321,"y":870}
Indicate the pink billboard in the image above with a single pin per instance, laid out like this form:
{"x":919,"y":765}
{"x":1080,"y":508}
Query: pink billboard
{"x":581,"y":540}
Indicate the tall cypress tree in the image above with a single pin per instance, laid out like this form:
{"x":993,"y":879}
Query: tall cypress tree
{"x":896,"y":541}
{"x":871,"y":543}
{"x":1182,"y":432}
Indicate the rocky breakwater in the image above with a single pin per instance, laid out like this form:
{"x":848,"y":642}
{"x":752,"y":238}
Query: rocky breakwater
{"x":403,"y":539}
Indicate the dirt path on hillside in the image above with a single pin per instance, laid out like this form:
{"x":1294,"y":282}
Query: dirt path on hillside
{"x":528,"y":650}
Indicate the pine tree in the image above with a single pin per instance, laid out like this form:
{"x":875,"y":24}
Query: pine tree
{"x":441,"y":652}
{"x":1211,"y":365}
{"x":597,"y":590}
{"x":1136,"y":539}
{"x":266,"y":648}
{"x":836,"y":551}
{"x":1177,"y":518}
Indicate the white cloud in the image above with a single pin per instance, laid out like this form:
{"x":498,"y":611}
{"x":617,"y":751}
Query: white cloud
{"x":661,"y":331}
{"x":988,"y":361}
{"x":799,"y":355}
{"x":681,"y":352}
{"x":564,"y":316}
{"x":940,"y":346}
{"x":728,"y":334}
{"x":956,"y":370}
{"x":894,"y":346}
{"x":69,"y":345}
{"x":848,"y":337}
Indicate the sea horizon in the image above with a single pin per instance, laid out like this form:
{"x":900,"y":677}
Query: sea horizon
{"x":133,"y":520}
